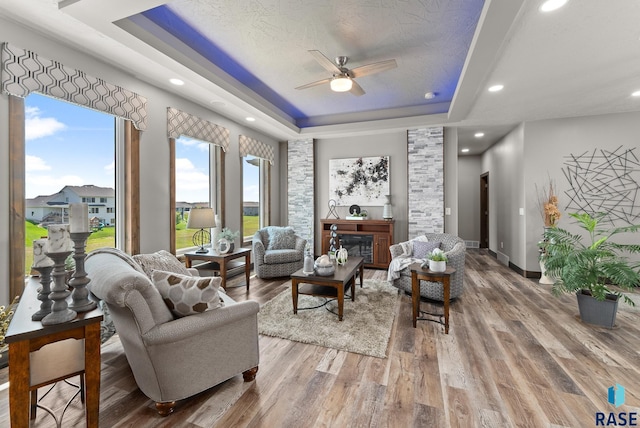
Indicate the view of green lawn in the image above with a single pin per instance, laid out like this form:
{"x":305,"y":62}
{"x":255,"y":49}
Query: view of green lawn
{"x":106,"y":237}
{"x":98,"y":239}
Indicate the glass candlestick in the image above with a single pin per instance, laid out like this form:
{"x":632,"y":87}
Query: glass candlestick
{"x":60,"y":312}
{"x":43,"y":294}
{"x":79,"y":281}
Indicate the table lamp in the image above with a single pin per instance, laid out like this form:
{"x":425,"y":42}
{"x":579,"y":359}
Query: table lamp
{"x":201,"y":218}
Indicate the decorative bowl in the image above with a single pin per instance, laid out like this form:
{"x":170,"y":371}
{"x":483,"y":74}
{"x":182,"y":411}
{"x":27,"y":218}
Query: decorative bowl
{"x":325,"y":270}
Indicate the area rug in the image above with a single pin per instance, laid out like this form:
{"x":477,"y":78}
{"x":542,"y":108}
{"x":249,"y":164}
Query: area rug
{"x":365,"y":327}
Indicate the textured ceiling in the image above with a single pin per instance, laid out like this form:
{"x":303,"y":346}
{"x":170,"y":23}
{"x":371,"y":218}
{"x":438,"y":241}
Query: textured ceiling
{"x":264,"y":45}
{"x":245,"y":57}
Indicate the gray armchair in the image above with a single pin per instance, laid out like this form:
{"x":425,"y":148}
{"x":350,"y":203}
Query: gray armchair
{"x":455,"y":249}
{"x":173,"y":359}
{"x":274,"y":259}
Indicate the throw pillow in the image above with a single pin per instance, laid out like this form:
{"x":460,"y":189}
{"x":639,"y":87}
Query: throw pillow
{"x":281,"y":238}
{"x":186,"y":294}
{"x":160,"y":260}
{"x":423,"y":248}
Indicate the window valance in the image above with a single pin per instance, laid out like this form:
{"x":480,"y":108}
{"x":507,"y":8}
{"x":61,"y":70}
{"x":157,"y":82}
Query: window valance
{"x":253,"y":147}
{"x":181,"y":123}
{"x":24,"y":72}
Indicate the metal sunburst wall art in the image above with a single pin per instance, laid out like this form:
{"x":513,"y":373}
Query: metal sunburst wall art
{"x":604,"y":181}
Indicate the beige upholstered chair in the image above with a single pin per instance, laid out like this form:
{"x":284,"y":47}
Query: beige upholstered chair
{"x":172,"y":358}
{"x":277,"y":251}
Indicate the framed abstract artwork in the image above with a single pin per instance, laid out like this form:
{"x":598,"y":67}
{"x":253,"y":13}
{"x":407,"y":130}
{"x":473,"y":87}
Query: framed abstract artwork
{"x":361,"y":181}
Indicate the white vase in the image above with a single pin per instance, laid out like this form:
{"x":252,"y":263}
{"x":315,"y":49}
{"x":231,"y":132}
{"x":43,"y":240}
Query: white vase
{"x":435,"y":266}
{"x":387,"y":212}
{"x":544,"y":279}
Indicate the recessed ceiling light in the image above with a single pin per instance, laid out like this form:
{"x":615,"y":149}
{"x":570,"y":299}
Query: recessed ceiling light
{"x":176,"y":82}
{"x":496,"y":88}
{"x":635,"y":94}
{"x":250,"y":119}
{"x":551,"y":5}
{"x":464,"y":150}
{"x":430,"y":95}
{"x":479,"y":134}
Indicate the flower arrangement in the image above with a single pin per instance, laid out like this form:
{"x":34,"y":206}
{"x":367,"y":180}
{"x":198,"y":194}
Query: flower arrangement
{"x":437,"y":255}
{"x":5,"y":319}
{"x":548,"y":203}
{"x":228,"y":234}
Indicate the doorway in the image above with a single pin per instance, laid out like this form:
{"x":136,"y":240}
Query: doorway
{"x":484,"y":210}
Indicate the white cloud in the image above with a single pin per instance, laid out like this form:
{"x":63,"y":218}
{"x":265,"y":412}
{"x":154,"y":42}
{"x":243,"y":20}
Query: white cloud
{"x":191,"y":185}
{"x":34,"y":163}
{"x":37,"y":185}
{"x":111,"y":167}
{"x":186,"y":141}
{"x":251,"y":194}
{"x":36,"y":126}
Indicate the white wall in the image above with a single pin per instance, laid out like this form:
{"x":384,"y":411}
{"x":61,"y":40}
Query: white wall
{"x":504,"y":162}
{"x":531,"y":155}
{"x":469,"y":170}
{"x":451,"y":220}
{"x":156,"y":219}
{"x":394,"y":145}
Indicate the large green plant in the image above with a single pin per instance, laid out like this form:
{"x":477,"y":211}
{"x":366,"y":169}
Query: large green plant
{"x":599,"y":266}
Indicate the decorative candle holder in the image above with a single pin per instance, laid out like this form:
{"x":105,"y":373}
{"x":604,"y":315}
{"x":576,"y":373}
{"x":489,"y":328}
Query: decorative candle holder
{"x":79,"y":280}
{"x":60,"y":312}
{"x":43,"y":294}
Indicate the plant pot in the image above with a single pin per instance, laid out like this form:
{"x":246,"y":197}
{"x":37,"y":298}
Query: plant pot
{"x":597,"y":312}
{"x":435,"y":266}
{"x":544,"y":279}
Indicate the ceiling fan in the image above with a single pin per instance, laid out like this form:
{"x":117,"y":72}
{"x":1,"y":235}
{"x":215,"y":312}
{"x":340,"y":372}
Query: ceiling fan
{"x":342,"y":79}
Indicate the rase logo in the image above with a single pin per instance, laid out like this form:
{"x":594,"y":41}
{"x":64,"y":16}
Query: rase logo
{"x":615,"y":396}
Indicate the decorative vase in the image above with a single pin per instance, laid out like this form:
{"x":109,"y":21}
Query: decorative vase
{"x":387,"y":212}
{"x":544,"y":279}
{"x":308,"y":263}
{"x":342,"y":255}
{"x":436,"y":266}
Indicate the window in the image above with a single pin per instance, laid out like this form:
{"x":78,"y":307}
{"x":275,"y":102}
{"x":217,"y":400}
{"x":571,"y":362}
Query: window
{"x":110,"y":210}
{"x":67,"y":149}
{"x":196,"y":178}
{"x":103,"y":200}
{"x":255,"y":200}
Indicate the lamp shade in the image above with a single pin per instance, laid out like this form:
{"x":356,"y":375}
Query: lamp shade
{"x":201,"y":218}
{"x":341,"y":84}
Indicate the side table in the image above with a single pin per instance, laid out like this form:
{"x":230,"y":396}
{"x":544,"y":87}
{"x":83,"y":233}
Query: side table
{"x":26,"y":336}
{"x":418,"y":273}
{"x":222,"y":260}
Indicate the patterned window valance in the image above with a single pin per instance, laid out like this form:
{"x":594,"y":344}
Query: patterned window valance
{"x":181,"y":123}
{"x":253,"y":147}
{"x":24,"y":72}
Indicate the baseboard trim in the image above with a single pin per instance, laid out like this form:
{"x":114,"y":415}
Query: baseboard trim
{"x":516,"y":268}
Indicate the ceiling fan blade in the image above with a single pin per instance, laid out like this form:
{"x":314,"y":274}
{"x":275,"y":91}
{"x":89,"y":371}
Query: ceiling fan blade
{"x":356,"y":89}
{"x":316,"y":83}
{"x":375,"y":67}
{"x":325,"y":62}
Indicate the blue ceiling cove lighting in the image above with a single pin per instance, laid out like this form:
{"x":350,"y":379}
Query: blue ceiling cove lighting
{"x":163,"y":17}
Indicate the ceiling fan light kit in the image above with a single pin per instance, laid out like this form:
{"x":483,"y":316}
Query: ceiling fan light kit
{"x":341,"y":84}
{"x":343,"y":78}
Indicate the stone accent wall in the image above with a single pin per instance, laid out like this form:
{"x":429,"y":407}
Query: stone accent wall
{"x":301,"y":186}
{"x":426,"y":181}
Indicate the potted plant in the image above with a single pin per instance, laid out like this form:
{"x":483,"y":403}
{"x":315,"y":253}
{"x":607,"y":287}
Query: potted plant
{"x":597,"y":271}
{"x":230,"y":236}
{"x":437,"y":260}
{"x":5,"y":319}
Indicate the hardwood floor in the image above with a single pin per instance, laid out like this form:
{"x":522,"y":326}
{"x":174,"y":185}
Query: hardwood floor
{"x":516,"y":356}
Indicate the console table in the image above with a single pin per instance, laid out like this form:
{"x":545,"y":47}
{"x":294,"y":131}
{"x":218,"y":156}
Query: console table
{"x":27,"y":337}
{"x":370,"y":239}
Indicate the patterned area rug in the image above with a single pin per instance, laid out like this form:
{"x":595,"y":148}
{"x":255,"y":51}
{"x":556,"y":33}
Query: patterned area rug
{"x":365,"y":328}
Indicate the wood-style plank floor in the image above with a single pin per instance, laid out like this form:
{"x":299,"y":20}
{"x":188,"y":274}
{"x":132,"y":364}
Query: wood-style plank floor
{"x":516,"y":356}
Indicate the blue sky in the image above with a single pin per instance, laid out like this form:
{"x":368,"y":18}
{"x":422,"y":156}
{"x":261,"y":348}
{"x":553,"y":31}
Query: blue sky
{"x":71,"y":145}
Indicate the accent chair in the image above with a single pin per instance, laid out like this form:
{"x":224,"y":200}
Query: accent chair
{"x":277,"y":251}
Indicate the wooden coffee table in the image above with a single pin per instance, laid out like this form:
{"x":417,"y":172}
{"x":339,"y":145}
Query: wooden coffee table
{"x":221,"y":261}
{"x":328,"y":286}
